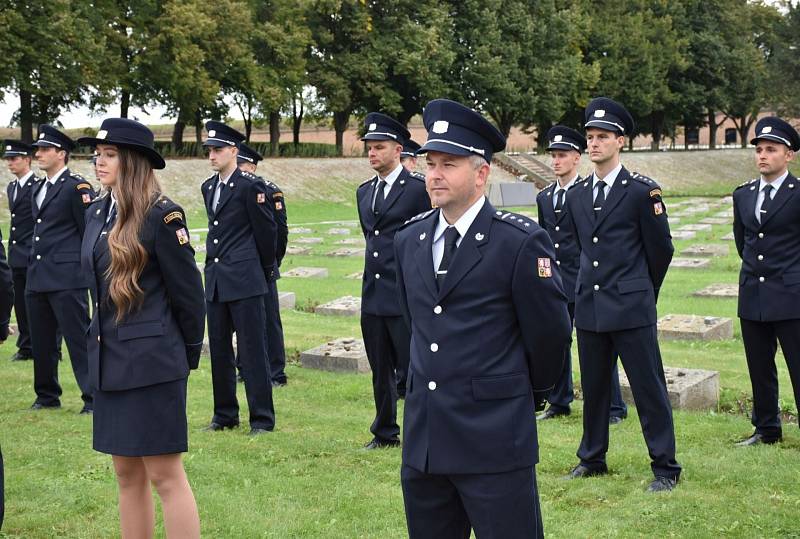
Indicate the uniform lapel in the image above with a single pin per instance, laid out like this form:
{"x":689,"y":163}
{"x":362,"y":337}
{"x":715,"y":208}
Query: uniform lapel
{"x":615,"y":195}
{"x":95,"y":225}
{"x":748,"y":206}
{"x":781,"y":197}
{"x":10,"y":194}
{"x":424,"y":255}
{"x":587,"y":198}
{"x":227,"y":191}
{"x":53,"y":190}
{"x":365,"y":204}
{"x":208,"y":194}
{"x":468,"y":253}
{"x":564,"y":207}
{"x":548,"y":211}
{"x":394,"y":193}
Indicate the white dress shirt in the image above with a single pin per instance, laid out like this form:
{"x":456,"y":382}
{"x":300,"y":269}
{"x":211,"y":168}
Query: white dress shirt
{"x":462,"y":225}
{"x":565,"y":189}
{"x":776,"y":184}
{"x":390,"y":179}
{"x":609,"y":179}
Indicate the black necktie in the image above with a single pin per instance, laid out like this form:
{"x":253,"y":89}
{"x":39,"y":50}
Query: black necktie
{"x":560,"y":200}
{"x":377,"y":204}
{"x":766,"y":203}
{"x":450,"y":240}
{"x":600,"y":199}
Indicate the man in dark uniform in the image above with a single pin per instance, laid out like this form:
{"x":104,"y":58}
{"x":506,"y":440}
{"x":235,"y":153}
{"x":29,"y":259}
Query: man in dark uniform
{"x":240,"y":260}
{"x":565,"y":147}
{"x":56,"y":291}
{"x":621,"y":227}
{"x":18,"y":157}
{"x":385,"y":202}
{"x":408,"y":157}
{"x":6,"y":302}
{"x":489,"y":330}
{"x":767,"y":233}
{"x":248,"y":160}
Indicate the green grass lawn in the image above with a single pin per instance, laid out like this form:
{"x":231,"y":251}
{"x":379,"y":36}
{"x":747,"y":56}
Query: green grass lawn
{"x":310,"y":478}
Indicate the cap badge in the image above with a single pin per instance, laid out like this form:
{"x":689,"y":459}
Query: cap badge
{"x":8,"y":147}
{"x":373,"y":127}
{"x":212,"y":133}
{"x":766,"y":129}
{"x":599,"y":113}
{"x":102,"y":134}
{"x":557,"y":138}
{"x":422,"y":236}
{"x":41,"y":135}
{"x":440,"y":126}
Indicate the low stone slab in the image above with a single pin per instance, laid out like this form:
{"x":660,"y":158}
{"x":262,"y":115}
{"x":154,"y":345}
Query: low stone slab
{"x":307,"y":240}
{"x":357,"y":275}
{"x":710,"y":250}
{"x":304,"y":271}
{"x":199,"y":247}
{"x":688,"y":389}
{"x":692,"y":263}
{"x":725,"y":214}
{"x":698,"y":208}
{"x":512,"y":194}
{"x":291,"y":250}
{"x":344,"y":306}
{"x":696,"y":228}
{"x":194,"y":238}
{"x":683,"y":234}
{"x":350,"y":241}
{"x":340,"y":355}
{"x":681,"y":213}
{"x":692,"y":327}
{"x":347,"y":251}
{"x":673,"y":220}
{"x":728,"y":237}
{"x":718,"y":291}
{"x":339,"y":231}
{"x":201,"y":266}
{"x":715,"y":221}
{"x":286,"y":300}
{"x":300,"y":230}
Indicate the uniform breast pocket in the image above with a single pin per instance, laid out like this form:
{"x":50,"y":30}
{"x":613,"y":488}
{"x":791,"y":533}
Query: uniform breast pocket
{"x":634,"y":285}
{"x":506,"y":386}
{"x":70,"y":256}
{"x":138,"y":330}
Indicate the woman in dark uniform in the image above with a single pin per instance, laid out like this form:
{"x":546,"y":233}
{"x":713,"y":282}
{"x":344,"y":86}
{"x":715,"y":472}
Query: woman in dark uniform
{"x":146,"y":331}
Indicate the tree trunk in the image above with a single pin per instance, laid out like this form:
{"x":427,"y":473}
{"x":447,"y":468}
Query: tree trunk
{"x":340,"y":121}
{"x":297,"y":120}
{"x":743,"y":128}
{"x":712,"y":129}
{"x":177,"y":131}
{"x":25,"y":116}
{"x":198,"y":132}
{"x":125,"y":103}
{"x":275,"y":134}
{"x":656,"y":129}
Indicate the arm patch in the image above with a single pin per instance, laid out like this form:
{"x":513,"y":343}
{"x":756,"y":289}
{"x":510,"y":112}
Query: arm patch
{"x":83,"y":186}
{"x":172,"y":216}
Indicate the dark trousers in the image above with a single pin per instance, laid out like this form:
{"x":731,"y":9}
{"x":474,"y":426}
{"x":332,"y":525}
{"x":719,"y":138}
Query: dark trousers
{"x":2,"y":491}
{"x":638,"y":350}
{"x":20,"y":277}
{"x":496,"y":506}
{"x":760,"y":345}
{"x":49,"y":312}
{"x":246,"y":318}
{"x":387,"y":342}
{"x":275,"y":347}
{"x":563,"y":394}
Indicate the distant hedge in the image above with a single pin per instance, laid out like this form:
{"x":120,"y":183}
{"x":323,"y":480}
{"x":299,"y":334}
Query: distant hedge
{"x":287,"y":149}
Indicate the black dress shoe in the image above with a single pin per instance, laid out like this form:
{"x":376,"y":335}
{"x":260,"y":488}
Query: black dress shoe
{"x":40,"y":406}
{"x":758,"y":439}
{"x":377,"y":443}
{"x":21,"y":356}
{"x":580,"y":471}
{"x":662,"y":484}
{"x":255,"y":431}
{"x":615,"y":420}
{"x":551,"y":413}
{"x":214,"y":426}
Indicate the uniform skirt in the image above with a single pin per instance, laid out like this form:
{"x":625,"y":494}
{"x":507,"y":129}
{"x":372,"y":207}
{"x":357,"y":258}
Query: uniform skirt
{"x":143,"y":421}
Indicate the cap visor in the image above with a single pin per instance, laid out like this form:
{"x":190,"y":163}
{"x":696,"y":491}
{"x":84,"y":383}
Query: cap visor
{"x":438,"y":146}
{"x":605,"y":125}
{"x":46,"y":144}
{"x":376,"y":136}
{"x":770,"y":138}
{"x":216,"y":144}
{"x":562,"y":146}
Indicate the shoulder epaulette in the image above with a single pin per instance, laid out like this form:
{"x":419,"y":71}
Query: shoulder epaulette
{"x":745,"y":184}
{"x":100,"y":198}
{"x":76,"y":176}
{"x":420,"y":216}
{"x":417,"y":175}
{"x":365,"y":182}
{"x":644,"y":179}
{"x":272,"y":185}
{"x":520,"y":221}
{"x":84,"y":185}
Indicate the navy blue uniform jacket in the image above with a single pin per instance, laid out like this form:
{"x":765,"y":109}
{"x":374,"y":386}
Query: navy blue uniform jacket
{"x":484,"y":346}
{"x":625,"y":253}
{"x":6,"y":293}
{"x":769,"y":282}
{"x":20,"y":236}
{"x":406,"y":199}
{"x":241,"y":241}
{"x":278,"y":206}
{"x":161,"y":340}
{"x":55,"y":257}
{"x":559,"y":227}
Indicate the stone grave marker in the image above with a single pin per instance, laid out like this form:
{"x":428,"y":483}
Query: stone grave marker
{"x":340,"y":355}
{"x":339,"y":231}
{"x":293,"y":250}
{"x":715,"y":221}
{"x":709,"y":249}
{"x":300,"y":230}
{"x":306,"y":272}
{"x":286,"y":300}
{"x":693,"y":327}
{"x":347,"y":251}
{"x":194,"y":238}
{"x":699,"y":208}
{"x":726,"y":214}
{"x":350,"y":241}
{"x":688,"y":389}
{"x":718,"y":291}
{"x":357,"y":275}
{"x":201,"y":266}
{"x":728,"y":237}
{"x":307,"y":240}
{"x":673,"y":220}
{"x":344,"y":306}
{"x":696,"y":228}
{"x":683,"y":234}
{"x":691,"y":263}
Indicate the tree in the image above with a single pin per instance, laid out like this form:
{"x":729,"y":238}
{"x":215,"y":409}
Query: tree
{"x":783,"y":63}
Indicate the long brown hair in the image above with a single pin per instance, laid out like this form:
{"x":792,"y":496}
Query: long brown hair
{"x":136,"y":191}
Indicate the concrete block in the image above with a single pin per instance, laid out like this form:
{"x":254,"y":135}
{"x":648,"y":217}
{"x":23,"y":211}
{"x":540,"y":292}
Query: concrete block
{"x":306,"y":272}
{"x":346,"y":251}
{"x":688,"y":389}
{"x":293,"y":250}
{"x":718,"y":291}
{"x":344,"y":306}
{"x":300,"y":230}
{"x":692,"y":327}
{"x":286,"y":300}
{"x":339,"y":231}
{"x":696,"y":228}
{"x":728,"y":237}
{"x":340,"y":355}
{"x":716,"y":221}
{"x":350,"y":241}
{"x":683,"y":234}
{"x":691,"y":263}
{"x":357,"y":275}
{"x":709,"y":250}
{"x":307,"y":240}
